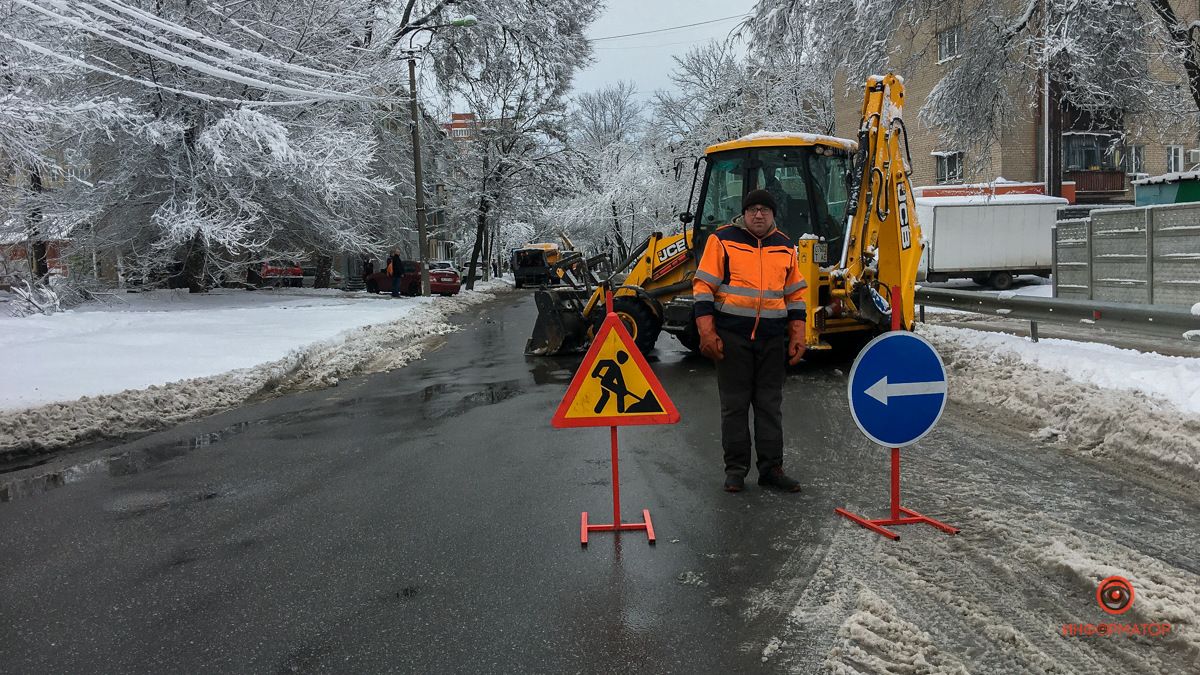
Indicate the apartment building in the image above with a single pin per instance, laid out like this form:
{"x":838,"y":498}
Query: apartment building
{"x":1099,"y":157}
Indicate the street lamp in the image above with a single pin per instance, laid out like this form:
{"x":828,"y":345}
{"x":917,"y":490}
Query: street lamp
{"x":422,"y":232}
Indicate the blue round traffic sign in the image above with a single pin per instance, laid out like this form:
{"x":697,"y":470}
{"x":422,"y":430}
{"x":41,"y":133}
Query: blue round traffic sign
{"x":897,"y":389}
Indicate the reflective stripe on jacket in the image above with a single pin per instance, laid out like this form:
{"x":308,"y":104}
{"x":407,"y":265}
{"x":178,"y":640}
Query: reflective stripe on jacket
{"x":752,"y":285}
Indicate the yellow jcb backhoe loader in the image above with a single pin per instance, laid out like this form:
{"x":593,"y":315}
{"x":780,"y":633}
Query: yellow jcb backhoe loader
{"x":847,"y":205}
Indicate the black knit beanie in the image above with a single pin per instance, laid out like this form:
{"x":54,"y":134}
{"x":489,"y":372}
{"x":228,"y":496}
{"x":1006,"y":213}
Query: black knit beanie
{"x":759,"y":198}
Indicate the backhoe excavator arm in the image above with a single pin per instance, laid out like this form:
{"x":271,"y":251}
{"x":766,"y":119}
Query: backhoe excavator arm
{"x":883,"y":243}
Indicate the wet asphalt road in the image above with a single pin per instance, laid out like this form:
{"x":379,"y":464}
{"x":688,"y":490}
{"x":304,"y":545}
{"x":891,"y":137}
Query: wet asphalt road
{"x":423,"y":520}
{"x":427,"y":520}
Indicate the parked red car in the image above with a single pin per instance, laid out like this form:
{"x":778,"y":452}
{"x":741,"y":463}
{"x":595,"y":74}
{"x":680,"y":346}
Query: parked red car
{"x":441,"y":281}
{"x":282,"y":273}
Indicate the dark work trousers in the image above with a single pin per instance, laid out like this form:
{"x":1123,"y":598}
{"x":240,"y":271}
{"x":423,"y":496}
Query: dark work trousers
{"x":752,"y":374}
{"x":396,"y":286}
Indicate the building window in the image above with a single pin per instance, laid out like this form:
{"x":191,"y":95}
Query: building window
{"x":1135,"y":159}
{"x":1091,"y":151}
{"x":949,"y":167}
{"x":461,"y":133}
{"x":948,"y":43}
{"x":1174,"y":158}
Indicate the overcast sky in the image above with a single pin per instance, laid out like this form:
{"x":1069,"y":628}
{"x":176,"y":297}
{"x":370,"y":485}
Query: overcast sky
{"x":646,"y":59}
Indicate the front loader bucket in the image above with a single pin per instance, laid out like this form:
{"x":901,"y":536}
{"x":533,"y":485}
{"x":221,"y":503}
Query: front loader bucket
{"x":560,"y":327}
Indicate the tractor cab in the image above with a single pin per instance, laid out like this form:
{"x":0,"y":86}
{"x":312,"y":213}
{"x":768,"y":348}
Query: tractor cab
{"x":808,"y":175}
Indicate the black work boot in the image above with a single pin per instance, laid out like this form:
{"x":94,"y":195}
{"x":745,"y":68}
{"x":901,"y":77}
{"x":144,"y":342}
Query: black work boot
{"x":734,"y":483}
{"x":776,"y":478}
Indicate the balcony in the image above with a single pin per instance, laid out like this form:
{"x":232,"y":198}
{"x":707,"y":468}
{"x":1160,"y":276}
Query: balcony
{"x":1097,"y":181}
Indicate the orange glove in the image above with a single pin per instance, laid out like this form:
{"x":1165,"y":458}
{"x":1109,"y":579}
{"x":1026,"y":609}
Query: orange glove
{"x":796,"y":347}
{"x":710,"y":344}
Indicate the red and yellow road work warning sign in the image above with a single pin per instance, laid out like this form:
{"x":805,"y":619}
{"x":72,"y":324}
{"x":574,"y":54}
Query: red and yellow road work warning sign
{"x":614,"y":385}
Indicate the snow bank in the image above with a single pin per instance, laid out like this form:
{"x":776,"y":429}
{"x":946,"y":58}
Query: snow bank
{"x":1196,"y":309}
{"x":146,"y":339}
{"x":366,"y":348}
{"x":1141,"y":410}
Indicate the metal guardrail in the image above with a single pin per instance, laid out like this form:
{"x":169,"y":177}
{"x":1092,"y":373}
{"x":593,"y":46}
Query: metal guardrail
{"x":1156,"y":320}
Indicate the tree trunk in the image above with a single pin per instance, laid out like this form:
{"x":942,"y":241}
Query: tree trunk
{"x":41,"y":262}
{"x":192,"y":274}
{"x":480,"y":228}
{"x":622,"y":247}
{"x":324,"y":266}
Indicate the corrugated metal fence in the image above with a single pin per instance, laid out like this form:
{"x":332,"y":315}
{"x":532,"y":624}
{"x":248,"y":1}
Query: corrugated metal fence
{"x":1148,"y":255}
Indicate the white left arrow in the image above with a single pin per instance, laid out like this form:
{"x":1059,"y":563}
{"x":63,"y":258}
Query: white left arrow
{"x":881,"y":391}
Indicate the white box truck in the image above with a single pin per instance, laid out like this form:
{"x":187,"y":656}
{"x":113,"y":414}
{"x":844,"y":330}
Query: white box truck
{"x":987,"y":238}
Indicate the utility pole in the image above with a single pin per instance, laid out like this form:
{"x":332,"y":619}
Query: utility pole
{"x":418,"y":179}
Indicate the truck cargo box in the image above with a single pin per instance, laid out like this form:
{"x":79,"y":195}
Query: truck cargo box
{"x":989,"y":239}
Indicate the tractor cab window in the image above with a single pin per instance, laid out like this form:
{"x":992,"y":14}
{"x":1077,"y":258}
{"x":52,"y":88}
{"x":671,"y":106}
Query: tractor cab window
{"x":831,"y":197}
{"x":780,"y":171}
{"x":722,"y":193}
{"x":808,"y":184}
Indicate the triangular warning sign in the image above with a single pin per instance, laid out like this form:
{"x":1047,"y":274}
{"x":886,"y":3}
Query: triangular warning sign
{"x":614,"y":385}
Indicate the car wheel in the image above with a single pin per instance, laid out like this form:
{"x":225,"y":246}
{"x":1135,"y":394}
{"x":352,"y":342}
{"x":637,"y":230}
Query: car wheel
{"x":372,"y":287}
{"x":1001,"y":281}
{"x":639,"y":320}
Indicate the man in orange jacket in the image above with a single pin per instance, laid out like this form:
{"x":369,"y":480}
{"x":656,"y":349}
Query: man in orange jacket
{"x":750,"y":314}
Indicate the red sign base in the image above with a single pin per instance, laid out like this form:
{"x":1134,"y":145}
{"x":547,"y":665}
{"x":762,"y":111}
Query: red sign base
{"x":900,"y":515}
{"x":646,"y":525}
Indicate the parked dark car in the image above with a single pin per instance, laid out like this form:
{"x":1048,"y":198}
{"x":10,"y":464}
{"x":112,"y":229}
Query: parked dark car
{"x":441,"y":281}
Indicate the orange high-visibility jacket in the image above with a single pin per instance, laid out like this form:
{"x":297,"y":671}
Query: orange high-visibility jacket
{"x":752,"y":285}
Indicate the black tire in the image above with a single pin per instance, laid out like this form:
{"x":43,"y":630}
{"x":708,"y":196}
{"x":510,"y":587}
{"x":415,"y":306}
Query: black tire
{"x":372,"y":287}
{"x":981,"y":279}
{"x":1001,"y":281}
{"x":517,"y":283}
{"x":643,"y":326}
{"x":690,"y":338}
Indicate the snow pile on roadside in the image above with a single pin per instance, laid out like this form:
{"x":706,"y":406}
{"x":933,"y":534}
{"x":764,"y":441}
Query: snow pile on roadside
{"x":876,"y":640}
{"x":370,"y":348}
{"x":1162,"y":592}
{"x":1144,"y":413}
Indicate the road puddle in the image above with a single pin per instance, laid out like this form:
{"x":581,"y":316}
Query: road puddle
{"x":121,"y":464}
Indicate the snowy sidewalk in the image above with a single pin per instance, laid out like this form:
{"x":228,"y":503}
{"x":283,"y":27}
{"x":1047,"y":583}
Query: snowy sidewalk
{"x":157,"y":358}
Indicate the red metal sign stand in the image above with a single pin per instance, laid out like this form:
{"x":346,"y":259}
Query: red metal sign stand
{"x":616,"y":524}
{"x":900,"y":515}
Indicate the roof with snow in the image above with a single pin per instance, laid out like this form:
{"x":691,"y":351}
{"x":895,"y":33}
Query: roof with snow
{"x":1168,"y":178}
{"x":987,"y":200}
{"x":769,"y":138}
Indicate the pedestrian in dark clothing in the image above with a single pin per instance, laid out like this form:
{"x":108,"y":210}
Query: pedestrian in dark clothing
{"x":750,"y":314}
{"x":396,"y":269}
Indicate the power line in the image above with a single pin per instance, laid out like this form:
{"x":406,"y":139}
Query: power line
{"x":663,"y":30}
{"x":668,"y":44}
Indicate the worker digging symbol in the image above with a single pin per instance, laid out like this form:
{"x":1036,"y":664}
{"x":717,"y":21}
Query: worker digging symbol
{"x":612,"y":383}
